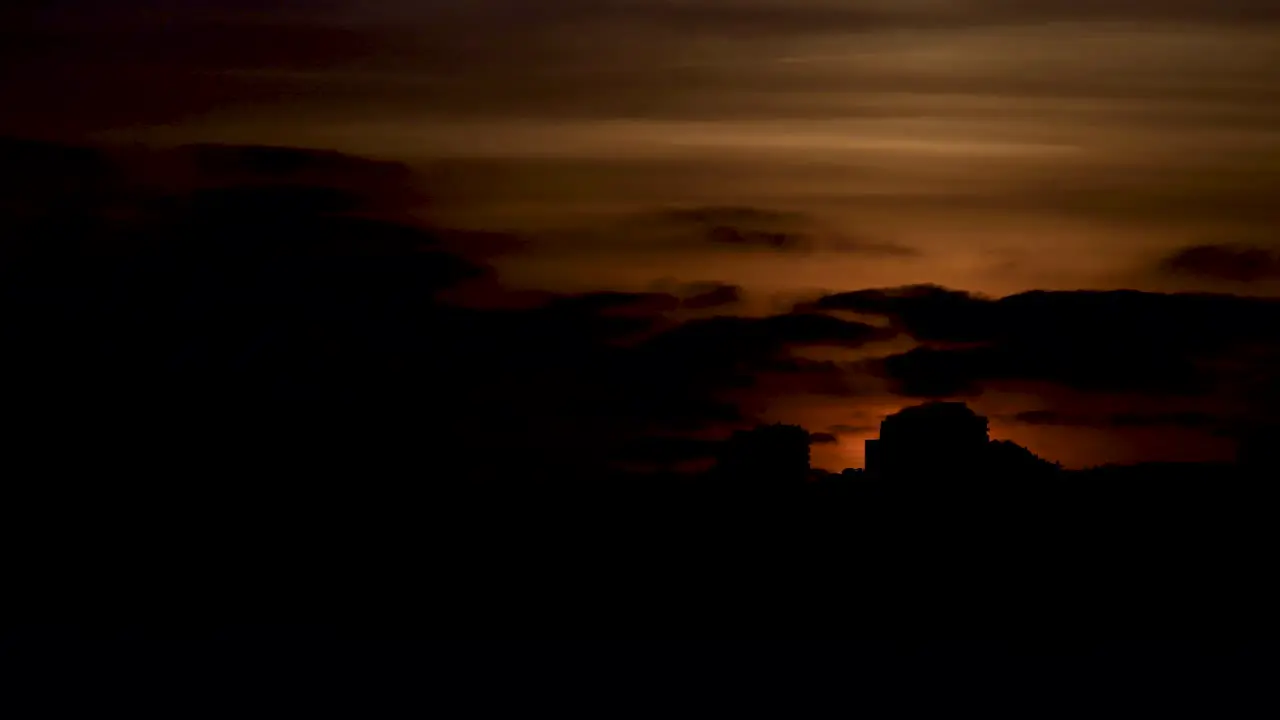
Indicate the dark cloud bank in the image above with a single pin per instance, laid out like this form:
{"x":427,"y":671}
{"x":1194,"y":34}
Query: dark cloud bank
{"x":193,"y":280}
{"x":270,"y":277}
{"x":1091,"y":341}
{"x":253,"y":384}
{"x":751,"y":228}
{"x":1233,"y":262}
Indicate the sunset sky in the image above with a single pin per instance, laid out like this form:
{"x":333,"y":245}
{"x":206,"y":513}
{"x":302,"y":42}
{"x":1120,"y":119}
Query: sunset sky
{"x":793,"y":148}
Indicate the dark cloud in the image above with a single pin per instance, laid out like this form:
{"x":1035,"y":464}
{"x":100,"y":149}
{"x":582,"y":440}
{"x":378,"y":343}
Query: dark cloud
{"x":1096,"y":341}
{"x":1112,"y":318}
{"x":820,"y":438}
{"x":1118,"y":420}
{"x":748,"y":227}
{"x":1237,"y":263}
{"x":728,"y":235}
{"x":238,"y":163}
{"x":260,"y":276}
{"x":743,"y":227}
{"x":702,"y":296}
{"x":209,"y":199}
{"x":40,"y":175}
{"x":816,"y":329}
{"x":853,"y":429}
{"x":618,"y":377}
{"x":221,"y":311}
{"x":273,"y":295}
{"x":927,"y":312}
{"x":284,"y":176}
{"x":733,"y":349}
{"x":482,"y":243}
{"x":617,"y":303}
{"x":791,"y":376}
{"x":928,"y":373}
{"x":713,"y":216}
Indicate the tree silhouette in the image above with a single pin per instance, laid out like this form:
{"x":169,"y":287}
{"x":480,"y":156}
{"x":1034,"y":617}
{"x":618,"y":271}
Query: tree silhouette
{"x":927,"y":440}
{"x":1009,"y":460}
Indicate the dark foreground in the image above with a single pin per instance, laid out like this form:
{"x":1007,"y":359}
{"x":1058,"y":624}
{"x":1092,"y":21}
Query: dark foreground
{"x":1071,"y":560}
{"x":654,"y":598}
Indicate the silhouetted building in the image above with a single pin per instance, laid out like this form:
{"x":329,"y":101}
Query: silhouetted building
{"x":767,"y":455}
{"x":926,"y":439}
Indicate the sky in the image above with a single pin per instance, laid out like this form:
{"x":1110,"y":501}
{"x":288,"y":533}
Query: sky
{"x":793,"y":149}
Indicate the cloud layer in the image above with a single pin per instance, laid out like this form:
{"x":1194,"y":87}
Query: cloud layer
{"x":1003,"y":145}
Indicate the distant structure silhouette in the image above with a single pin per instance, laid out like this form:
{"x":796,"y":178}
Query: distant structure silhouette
{"x":766,"y":455}
{"x":941,"y":440}
{"x":926,"y":439}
